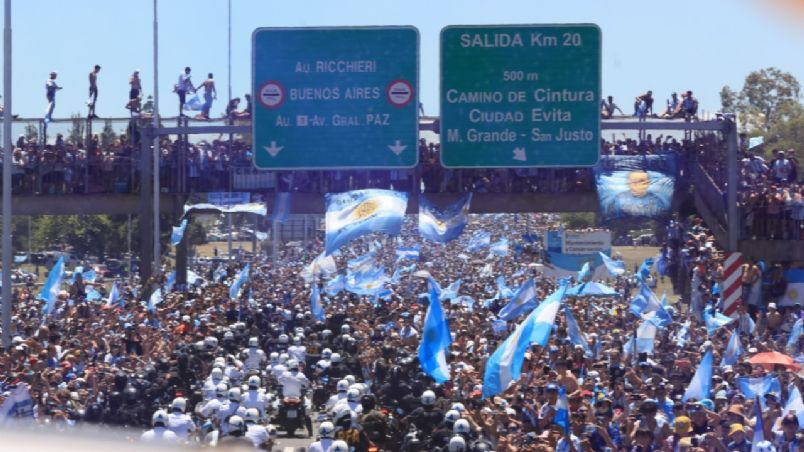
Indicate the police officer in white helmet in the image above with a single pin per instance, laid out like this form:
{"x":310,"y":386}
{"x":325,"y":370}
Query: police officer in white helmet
{"x":256,"y":433}
{"x":326,"y":433}
{"x":179,"y":422}
{"x":160,"y":432}
{"x":253,"y":357}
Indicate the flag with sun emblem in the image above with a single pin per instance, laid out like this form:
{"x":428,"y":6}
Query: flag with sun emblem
{"x":443,"y":225}
{"x":794,"y":294}
{"x":358,"y":212}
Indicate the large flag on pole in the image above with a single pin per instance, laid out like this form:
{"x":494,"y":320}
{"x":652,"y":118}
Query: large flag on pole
{"x":315,"y":304}
{"x":355,"y":213}
{"x":242,"y":277}
{"x":114,"y":296}
{"x":435,"y":340}
{"x":443,"y":225}
{"x":50,"y":291}
{"x":701,"y":384}
{"x":576,"y":336}
{"x":523,"y":301}
{"x":734,"y":350}
{"x":178,"y":232}
{"x":281,"y":210}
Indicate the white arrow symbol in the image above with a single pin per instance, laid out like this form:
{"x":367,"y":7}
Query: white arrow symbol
{"x":397,"y":147}
{"x":273,"y":149}
{"x":519,"y":154}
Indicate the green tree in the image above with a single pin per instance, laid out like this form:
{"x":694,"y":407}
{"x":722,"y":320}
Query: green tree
{"x":728,"y":100}
{"x":31,"y":132}
{"x":76,"y":134}
{"x":580,"y":220}
{"x":108,"y":135}
{"x":764,"y":96}
{"x":196,"y":233}
{"x":787,"y":132}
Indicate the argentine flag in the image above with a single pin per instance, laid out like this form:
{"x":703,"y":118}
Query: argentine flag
{"x":734,"y":350}
{"x":242,"y":277}
{"x":500,"y":247}
{"x":643,"y":341}
{"x":714,"y":320}
{"x":443,"y":225}
{"x":562,"y":417}
{"x":50,"y":291}
{"x":410,"y":252}
{"x":281,"y":210}
{"x":794,"y":403}
{"x":156,"y":298}
{"x":576,"y":336}
{"x":759,"y":386}
{"x":505,"y":364}
{"x":114,"y":296}
{"x":795,"y":287}
{"x":315,"y":305}
{"x":435,"y":341}
{"x":524,"y":300}
{"x":481,"y":239}
{"x":355,"y":213}
{"x":178,"y":232}
{"x":451,"y":291}
{"x":503,"y":291}
{"x":701,"y":384}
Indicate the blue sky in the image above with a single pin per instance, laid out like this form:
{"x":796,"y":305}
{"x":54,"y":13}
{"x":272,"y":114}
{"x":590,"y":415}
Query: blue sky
{"x":663,"y":46}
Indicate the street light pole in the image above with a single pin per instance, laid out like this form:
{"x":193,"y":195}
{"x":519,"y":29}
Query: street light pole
{"x":229,"y":77}
{"x":156,"y":150}
{"x":7,"y":251}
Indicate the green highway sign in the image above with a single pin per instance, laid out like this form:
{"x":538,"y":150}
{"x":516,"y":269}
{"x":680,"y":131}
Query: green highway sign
{"x":520,"y":96}
{"x":340,"y":97}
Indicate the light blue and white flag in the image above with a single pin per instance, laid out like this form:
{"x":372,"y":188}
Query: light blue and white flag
{"x":92,"y":294}
{"x":524,"y":300}
{"x":647,"y":306}
{"x":662,"y":264}
{"x":355,"y":213}
{"x":794,"y":293}
{"x":752,"y":387}
{"x":614,"y":267}
{"x":50,"y":291}
{"x":219,"y":274}
{"x":734,"y":350}
{"x":701,"y":385}
{"x":795,"y":335}
{"x":715,"y":320}
{"x":335,"y":285}
{"x":755,"y":141}
{"x":435,"y":341}
{"x":505,"y":364}
{"x":315,"y":304}
{"x":644,"y":340}
{"x":683,"y":335}
{"x":576,"y":336}
{"x":759,"y":427}
{"x":257,"y":208}
{"x":281,"y":210}
{"x":194,"y":103}
{"x":503,"y":291}
{"x":585,"y":273}
{"x":114,"y":296}
{"x":644,"y":269}
{"x":155,"y":299}
{"x":451,"y":291}
{"x":443,"y":225}
{"x":562,"y":417}
{"x":367,"y":283}
{"x":171,"y":281}
{"x":242,"y":277}
{"x":481,"y":239}
{"x":407,"y":252}
{"x":500,"y":247}
{"x":465,"y":300}
{"x":18,"y":405}
{"x":362,"y":263}
{"x":178,"y":232}
{"x":794,"y":404}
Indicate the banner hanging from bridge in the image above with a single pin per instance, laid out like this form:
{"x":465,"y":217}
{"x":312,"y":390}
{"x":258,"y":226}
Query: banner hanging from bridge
{"x":635,"y":186}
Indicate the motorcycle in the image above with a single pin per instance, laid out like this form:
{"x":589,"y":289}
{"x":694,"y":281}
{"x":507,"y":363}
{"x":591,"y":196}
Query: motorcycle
{"x":292,"y":415}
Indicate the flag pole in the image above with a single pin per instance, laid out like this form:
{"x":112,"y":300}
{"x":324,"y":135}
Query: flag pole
{"x":7,"y":155}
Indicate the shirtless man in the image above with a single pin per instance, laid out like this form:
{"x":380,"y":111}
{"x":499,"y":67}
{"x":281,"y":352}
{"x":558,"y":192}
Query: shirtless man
{"x":93,"y":92}
{"x":209,"y":95}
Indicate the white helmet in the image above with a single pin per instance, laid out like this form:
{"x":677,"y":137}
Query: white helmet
{"x":461,"y":427}
{"x":457,"y":444}
{"x":283,"y":358}
{"x":159,"y":419}
{"x":211,"y":342}
{"x":253,"y":382}
{"x":234,"y":395}
{"x":452,"y":416}
{"x":458,"y":406}
{"x":252,"y":415}
{"x":217,"y":373}
{"x":336,"y":357}
{"x":345,"y":329}
{"x":236,"y":423}
{"x":326,"y":333}
{"x":253,"y":342}
{"x":353,"y":395}
{"x":351,"y":379}
{"x":428,"y":397}
{"x":765,"y":446}
{"x":293,"y":364}
{"x":338,"y":446}
{"x":219,"y":362}
{"x":342,"y":386}
{"x":326,"y":354}
{"x":220,"y":390}
{"x":274,"y":356}
{"x":342,"y":412}
{"x":326,"y":429}
{"x":179,"y":403}
{"x":283,"y":338}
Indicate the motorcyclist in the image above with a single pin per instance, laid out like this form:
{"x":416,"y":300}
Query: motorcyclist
{"x":231,"y":408}
{"x":256,"y":433}
{"x":326,"y":432}
{"x":234,"y":435}
{"x":346,"y":430}
{"x":253,"y":357}
{"x":373,"y":421}
{"x":213,"y":406}
{"x":298,"y":351}
{"x":427,"y":416}
{"x":159,"y":432}
{"x":352,"y":402}
{"x":293,"y":383}
{"x":256,"y":397}
{"x":178,"y":422}
{"x":214,"y":379}
{"x":444,"y":431}
{"x":342,"y":387}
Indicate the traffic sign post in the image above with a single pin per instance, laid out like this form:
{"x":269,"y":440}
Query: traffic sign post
{"x":520,"y":96}
{"x":342,"y":97}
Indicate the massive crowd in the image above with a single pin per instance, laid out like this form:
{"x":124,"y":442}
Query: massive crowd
{"x":205,"y":369}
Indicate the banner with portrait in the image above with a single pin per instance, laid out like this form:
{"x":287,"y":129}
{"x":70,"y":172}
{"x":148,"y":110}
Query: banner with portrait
{"x":635,"y":185}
